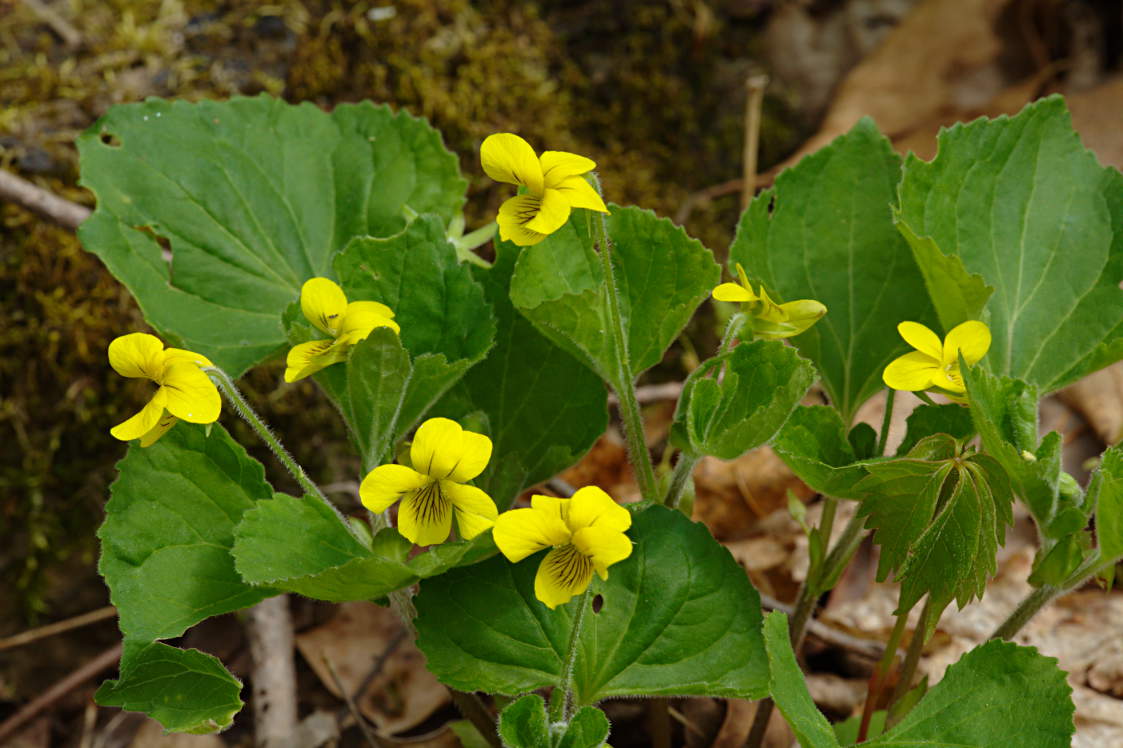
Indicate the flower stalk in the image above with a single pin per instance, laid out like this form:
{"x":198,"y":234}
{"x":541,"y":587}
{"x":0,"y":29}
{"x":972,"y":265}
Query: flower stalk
{"x":561,"y":709}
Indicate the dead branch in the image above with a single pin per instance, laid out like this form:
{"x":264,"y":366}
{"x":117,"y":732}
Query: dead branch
{"x":42,"y":203}
{"x":269,"y":627}
{"x":58,"y":627}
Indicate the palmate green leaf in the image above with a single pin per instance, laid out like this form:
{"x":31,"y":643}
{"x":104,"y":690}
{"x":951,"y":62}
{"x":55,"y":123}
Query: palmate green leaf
{"x":662,"y":275}
{"x":253,"y":197}
{"x":1023,"y":205}
{"x":184,"y":690}
{"x":169,"y":528}
{"x":678,"y":617}
{"x":542,"y":407}
{"x":301,"y":545}
{"x":789,"y":688}
{"x":762,"y":383}
{"x":928,"y":420}
{"x":825,"y":232}
{"x":814,"y":444}
{"x":997,"y":695}
{"x":388,"y":384}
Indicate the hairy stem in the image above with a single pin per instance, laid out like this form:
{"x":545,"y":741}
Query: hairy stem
{"x":929,"y":614}
{"x":680,"y":479}
{"x":561,"y":709}
{"x":1042,"y":596}
{"x":625,"y":384}
{"x":877,"y":680}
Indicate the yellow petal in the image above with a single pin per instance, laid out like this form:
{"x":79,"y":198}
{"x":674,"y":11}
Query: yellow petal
{"x":363,"y":316}
{"x":192,"y":396}
{"x":553,"y":212}
{"x":475,"y":511}
{"x":144,"y":421}
{"x":443,"y":450}
{"x":508,"y":158}
{"x":971,"y":338}
{"x":948,"y":379}
{"x":580,"y":194}
{"x":162,"y":427}
{"x":521,"y":532}
{"x":733,"y":292}
{"x":425,"y":515}
{"x":513,"y":216}
{"x":559,"y":166}
{"x":178,"y":354}
{"x":137,"y":355}
{"x":591,"y":506}
{"x":308,"y":358}
{"x":604,"y":545}
{"x":912,"y":371}
{"x":553,"y":506}
{"x":324,"y":304}
{"x":388,"y":483}
{"x":563,"y":573}
{"x":922,"y":339}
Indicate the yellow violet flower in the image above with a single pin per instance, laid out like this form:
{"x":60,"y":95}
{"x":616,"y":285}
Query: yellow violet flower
{"x":184,"y":390}
{"x":770,"y":321}
{"x":935,"y":363}
{"x":585,"y":533}
{"x":444,"y":457}
{"x":325,"y":305}
{"x":554,"y":186}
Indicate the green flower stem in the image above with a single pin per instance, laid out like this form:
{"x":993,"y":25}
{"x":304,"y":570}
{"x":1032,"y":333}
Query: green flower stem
{"x":1045,"y":594}
{"x":242,"y":406}
{"x":929,"y":615}
{"x":877,"y":680}
{"x":625,"y":380}
{"x":837,"y":560}
{"x":561,"y":709}
{"x":680,"y":479}
{"x":883,"y":437}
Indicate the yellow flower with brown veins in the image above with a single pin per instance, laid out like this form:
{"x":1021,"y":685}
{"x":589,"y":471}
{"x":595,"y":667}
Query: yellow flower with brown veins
{"x":444,"y":457}
{"x":935,"y":363}
{"x":325,"y":305}
{"x":184,"y":391}
{"x":554,"y":186}
{"x":585,"y":534}
{"x":770,"y":321}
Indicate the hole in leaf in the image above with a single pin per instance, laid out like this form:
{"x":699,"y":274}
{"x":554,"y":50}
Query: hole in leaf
{"x":110,"y":140}
{"x":163,"y":241}
{"x":598,"y":603}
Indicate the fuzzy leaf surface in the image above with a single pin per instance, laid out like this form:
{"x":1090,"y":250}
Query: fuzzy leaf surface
{"x":763,"y":382}
{"x":543,"y":408}
{"x":814,"y":444}
{"x":825,"y":231}
{"x":789,"y":687}
{"x":256,"y":197}
{"x":928,"y":420}
{"x":1024,"y":205}
{"x":662,"y":275}
{"x":185,"y":690}
{"x":169,"y":530}
{"x":678,"y":617}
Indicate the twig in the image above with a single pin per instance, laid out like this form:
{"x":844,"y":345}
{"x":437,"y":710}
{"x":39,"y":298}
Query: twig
{"x":650,"y":393}
{"x":42,"y":203}
{"x":70,"y":35}
{"x":58,"y":627}
{"x":371,"y":738}
{"x":60,"y":689}
{"x":755,"y":89}
{"x":475,"y":712}
{"x":866,"y":647}
{"x":269,"y":627}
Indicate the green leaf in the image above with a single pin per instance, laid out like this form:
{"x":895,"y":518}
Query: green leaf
{"x":185,"y":690}
{"x":678,"y":617}
{"x":814,"y":444}
{"x":826,"y":232}
{"x":958,"y":295}
{"x":662,"y":275}
{"x":1025,"y":206}
{"x":169,"y":528}
{"x":524,"y":724}
{"x":543,"y":408}
{"x":1105,"y":493}
{"x":300,"y":545}
{"x":927,"y":420}
{"x":762,"y":382}
{"x":255,"y":197}
{"x":588,"y":729}
{"x":997,"y":695}
{"x":789,"y":689}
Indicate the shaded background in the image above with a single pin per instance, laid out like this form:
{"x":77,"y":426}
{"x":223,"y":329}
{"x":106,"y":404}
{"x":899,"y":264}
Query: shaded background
{"x":653,"y":91}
